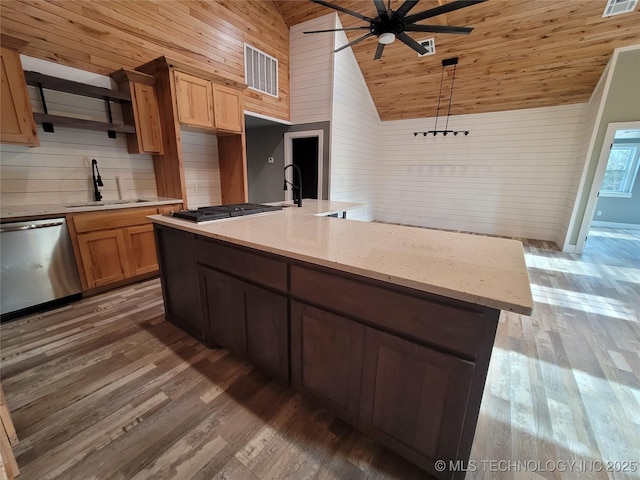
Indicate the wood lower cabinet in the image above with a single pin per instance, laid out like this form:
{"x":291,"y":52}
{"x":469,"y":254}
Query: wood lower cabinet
{"x":326,"y":358}
{"x":250,"y":321}
{"x":141,"y":249}
{"x":114,"y":245}
{"x":17,"y":124}
{"x":406,"y":367}
{"x":104,"y":256}
{"x":179,"y":279}
{"x":412,"y":398}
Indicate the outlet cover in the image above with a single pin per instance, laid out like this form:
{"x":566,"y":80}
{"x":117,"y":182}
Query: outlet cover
{"x":599,"y":213}
{"x":270,"y":159}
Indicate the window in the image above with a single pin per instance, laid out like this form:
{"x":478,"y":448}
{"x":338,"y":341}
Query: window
{"x":621,"y":172}
{"x":260,"y":71}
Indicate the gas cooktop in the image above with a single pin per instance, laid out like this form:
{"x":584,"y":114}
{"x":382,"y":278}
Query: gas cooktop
{"x":217,"y":212}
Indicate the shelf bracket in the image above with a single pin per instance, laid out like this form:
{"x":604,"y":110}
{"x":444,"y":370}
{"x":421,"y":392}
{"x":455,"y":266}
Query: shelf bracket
{"x":46,"y":126}
{"x":110,"y":133}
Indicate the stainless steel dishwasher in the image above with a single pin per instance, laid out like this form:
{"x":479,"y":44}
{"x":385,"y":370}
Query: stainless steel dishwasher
{"x":38,"y":265}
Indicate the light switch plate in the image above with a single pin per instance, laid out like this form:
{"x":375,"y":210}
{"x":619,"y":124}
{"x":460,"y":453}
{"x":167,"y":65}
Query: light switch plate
{"x":270,"y":159}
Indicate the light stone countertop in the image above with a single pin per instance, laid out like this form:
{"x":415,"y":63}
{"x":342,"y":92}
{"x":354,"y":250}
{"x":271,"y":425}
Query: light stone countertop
{"x":482,"y":270}
{"x":48,"y":210}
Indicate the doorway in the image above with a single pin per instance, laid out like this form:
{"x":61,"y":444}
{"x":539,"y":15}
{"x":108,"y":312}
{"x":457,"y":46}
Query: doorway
{"x":304,"y":149}
{"x":613,"y":180}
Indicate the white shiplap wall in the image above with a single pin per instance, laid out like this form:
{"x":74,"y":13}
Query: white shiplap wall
{"x":311,"y":70}
{"x":354,"y":134}
{"x":59,"y":170}
{"x":201,"y":168}
{"x":510,"y":176}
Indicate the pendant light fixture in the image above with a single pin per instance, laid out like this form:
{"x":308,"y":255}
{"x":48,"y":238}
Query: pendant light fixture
{"x":447,"y":62}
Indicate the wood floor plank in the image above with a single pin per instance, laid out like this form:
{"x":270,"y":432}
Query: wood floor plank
{"x":105,"y":388}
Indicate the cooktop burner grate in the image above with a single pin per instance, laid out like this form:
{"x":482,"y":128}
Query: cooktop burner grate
{"x":217,"y":212}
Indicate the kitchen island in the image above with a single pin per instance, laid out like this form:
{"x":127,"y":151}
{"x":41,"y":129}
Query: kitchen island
{"x":389,"y":327}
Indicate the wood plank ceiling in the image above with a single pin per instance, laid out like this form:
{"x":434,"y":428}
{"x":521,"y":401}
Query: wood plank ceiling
{"x":521,"y":54}
{"x":103,"y":36}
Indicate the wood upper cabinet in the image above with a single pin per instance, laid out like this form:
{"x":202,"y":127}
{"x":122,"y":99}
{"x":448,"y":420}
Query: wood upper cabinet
{"x":16,"y":124}
{"x":142,"y":112}
{"x":228,"y":110}
{"x":194,"y":98}
{"x":202,"y":103}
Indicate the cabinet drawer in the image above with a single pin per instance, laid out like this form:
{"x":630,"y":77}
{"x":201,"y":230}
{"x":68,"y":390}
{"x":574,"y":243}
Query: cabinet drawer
{"x":447,"y":326}
{"x":90,"y":222}
{"x":251,"y":266}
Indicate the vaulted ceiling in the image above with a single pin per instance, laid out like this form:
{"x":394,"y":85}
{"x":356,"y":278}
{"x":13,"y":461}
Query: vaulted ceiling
{"x":521,"y":54}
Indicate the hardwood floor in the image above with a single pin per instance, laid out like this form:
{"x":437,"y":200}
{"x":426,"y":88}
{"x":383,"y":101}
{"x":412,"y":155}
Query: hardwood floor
{"x":107,"y":389}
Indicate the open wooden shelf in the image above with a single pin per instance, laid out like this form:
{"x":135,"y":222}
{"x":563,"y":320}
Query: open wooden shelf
{"x":61,"y":121}
{"x":36,"y":79}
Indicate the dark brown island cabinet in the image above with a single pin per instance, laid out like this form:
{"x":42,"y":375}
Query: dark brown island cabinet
{"x":406,"y":367}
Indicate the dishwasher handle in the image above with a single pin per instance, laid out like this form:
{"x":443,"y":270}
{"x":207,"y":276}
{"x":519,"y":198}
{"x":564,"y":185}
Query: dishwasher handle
{"x":31,"y":227}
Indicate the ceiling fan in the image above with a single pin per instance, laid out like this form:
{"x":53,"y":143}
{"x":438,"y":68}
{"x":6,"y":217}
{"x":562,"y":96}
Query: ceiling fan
{"x":391,"y":24}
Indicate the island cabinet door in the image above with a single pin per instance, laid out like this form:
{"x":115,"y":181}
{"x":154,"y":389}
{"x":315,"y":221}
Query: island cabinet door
{"x":179,"y":279}
{"x":414,"y":399}
{"x":326,"y":356}
{"x":248,"y":320}
{"x":222,"y":310}
{"x":266,"y":316}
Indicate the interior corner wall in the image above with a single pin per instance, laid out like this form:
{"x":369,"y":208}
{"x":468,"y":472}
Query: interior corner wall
{"x":588,"y":127}
{"x":355,"y":127}
{"x":620,"y":105}
{"x":509,"y":177}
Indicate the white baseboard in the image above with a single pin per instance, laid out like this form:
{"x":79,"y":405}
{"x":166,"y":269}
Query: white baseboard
{"x":629,"y":226}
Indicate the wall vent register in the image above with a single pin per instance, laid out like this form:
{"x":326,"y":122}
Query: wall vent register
{"x":219,"y":212}
{"x":260,"y":71}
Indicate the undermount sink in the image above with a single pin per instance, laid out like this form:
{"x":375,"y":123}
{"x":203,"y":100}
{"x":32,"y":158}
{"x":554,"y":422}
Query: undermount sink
{"x":105,"y":202}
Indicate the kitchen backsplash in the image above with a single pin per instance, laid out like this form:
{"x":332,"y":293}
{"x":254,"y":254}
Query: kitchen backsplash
{"x":59,"y":170}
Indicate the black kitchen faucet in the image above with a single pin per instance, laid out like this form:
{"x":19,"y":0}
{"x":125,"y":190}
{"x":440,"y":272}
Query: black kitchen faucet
{"x":97,"y":181}
{"x":296,"y":188}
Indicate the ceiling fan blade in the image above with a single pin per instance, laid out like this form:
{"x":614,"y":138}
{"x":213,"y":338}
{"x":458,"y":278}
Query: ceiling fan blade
{"x":339,"y":29}
{"x":446,"y":8}
{"x":438,"y":29}
{"x":382,"y":10}
{"x":406,"y":6}
{"x":379,"y":51}
{"x":343,"y":10}
{"x":354,"y":42}
{"x":403,"y":37}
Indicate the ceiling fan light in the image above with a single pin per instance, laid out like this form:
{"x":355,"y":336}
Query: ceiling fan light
{"x":386,"y":38}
